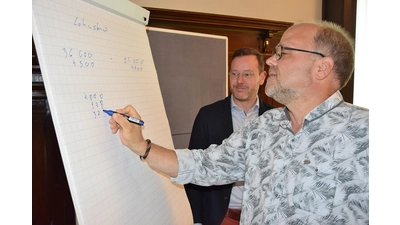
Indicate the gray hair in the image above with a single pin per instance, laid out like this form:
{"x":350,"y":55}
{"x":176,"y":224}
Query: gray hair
{"x":335,"y":42}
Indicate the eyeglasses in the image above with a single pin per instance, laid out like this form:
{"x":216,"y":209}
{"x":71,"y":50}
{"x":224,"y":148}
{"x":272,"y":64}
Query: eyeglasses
{"x":246,"y":74}
{"x":280,"y":48}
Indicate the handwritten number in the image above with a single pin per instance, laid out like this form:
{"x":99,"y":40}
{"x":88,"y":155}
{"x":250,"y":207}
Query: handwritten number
{"x":96,"y":101}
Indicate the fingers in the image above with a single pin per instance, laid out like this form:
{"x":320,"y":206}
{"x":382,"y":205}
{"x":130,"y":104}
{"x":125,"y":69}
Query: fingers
{"x":113,"y":125}
{"x":130,"y":111}
{"x":120,"y":123}
{"x":119,"y":119}
{"x":130,"y":134}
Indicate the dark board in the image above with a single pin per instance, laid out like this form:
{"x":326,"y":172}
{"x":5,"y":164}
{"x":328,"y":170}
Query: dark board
{"x":192,"y":72}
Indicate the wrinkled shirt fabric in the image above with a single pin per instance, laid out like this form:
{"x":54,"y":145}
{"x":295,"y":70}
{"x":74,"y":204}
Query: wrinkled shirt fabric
{"x":320,"y":175}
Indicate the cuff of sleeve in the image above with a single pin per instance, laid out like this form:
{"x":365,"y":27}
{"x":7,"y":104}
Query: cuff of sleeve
{"x":186,"y":166}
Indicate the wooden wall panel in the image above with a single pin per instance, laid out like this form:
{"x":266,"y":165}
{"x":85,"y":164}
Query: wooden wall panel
{"x":342,"y":12}
{"x":51,"y":198}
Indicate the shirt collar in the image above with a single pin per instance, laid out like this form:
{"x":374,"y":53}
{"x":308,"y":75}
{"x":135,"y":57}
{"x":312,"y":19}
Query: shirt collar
{"x":334,"y":100}
{"x":235,"y":107}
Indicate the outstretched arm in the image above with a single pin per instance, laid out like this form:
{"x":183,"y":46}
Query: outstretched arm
{"x":159,"y":158}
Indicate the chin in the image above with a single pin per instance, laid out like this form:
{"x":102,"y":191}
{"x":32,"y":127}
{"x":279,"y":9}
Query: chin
{"x":268,"y":91}
{"x":240,"y":97}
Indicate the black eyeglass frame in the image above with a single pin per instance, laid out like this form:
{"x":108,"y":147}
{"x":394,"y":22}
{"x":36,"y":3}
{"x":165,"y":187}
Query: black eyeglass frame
{"x":293,"y":49}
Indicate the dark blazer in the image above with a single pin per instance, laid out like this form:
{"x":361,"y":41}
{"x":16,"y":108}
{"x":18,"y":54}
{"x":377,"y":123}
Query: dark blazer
{"x":212,"y":125}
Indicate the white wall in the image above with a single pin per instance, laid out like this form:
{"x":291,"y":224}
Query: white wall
{"x":279,"y":10}
{"x":376,"y":82}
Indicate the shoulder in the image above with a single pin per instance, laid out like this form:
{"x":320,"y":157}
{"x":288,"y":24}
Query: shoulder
{"x":277,"y":113}
{"x":353,"y":114}
{"x":272,"y":117}
{"x":218,"y":105}
{"x":349,"y":111}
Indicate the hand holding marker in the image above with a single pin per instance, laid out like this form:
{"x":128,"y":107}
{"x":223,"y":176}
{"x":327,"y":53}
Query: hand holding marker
{"x":130,"y":119}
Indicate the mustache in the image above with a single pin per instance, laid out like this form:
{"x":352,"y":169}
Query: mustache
{"x":239,"y":86}
{"x":271,"y":73}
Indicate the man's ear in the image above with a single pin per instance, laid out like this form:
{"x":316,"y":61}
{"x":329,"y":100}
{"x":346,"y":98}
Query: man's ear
{"x":324,"y":68}
{"x":264,"y":76}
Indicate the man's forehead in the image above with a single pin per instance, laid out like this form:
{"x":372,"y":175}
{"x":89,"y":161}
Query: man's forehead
{"x":301,"y":34}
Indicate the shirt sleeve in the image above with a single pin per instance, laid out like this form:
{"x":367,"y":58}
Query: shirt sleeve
{"x":186,"y":166}
{"x":216,"y":165}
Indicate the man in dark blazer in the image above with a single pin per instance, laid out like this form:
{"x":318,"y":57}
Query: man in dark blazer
{"x":217,"y":121}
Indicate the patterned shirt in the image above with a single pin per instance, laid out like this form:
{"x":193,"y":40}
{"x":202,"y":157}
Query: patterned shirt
{"x":317,"y":176}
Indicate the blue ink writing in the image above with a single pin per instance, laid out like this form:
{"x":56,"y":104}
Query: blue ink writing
{"x":96,"y":103}
{"x":136,"y":64}
{"x":80,"y":58}
{"x":80,"y":22}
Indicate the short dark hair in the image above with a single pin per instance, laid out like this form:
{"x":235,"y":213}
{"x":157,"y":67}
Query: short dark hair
{"x":251,"y":51}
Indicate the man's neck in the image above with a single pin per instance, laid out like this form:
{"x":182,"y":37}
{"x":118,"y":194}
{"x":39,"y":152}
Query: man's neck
{"x":245,"y":105}
{"x":300,"y":108}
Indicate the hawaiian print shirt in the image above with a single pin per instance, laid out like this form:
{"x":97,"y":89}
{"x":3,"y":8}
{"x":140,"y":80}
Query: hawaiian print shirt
{"x":317,"y":176}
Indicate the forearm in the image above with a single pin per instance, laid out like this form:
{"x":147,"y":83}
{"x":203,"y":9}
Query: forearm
{"x":158,"y":158}
{"x":161,"y":159}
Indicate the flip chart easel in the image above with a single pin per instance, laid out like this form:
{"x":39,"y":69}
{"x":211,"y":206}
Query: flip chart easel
{"x":91,"y":59}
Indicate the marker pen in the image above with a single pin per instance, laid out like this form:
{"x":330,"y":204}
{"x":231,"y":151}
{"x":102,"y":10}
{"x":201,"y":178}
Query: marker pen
{"x":129,"y":118}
